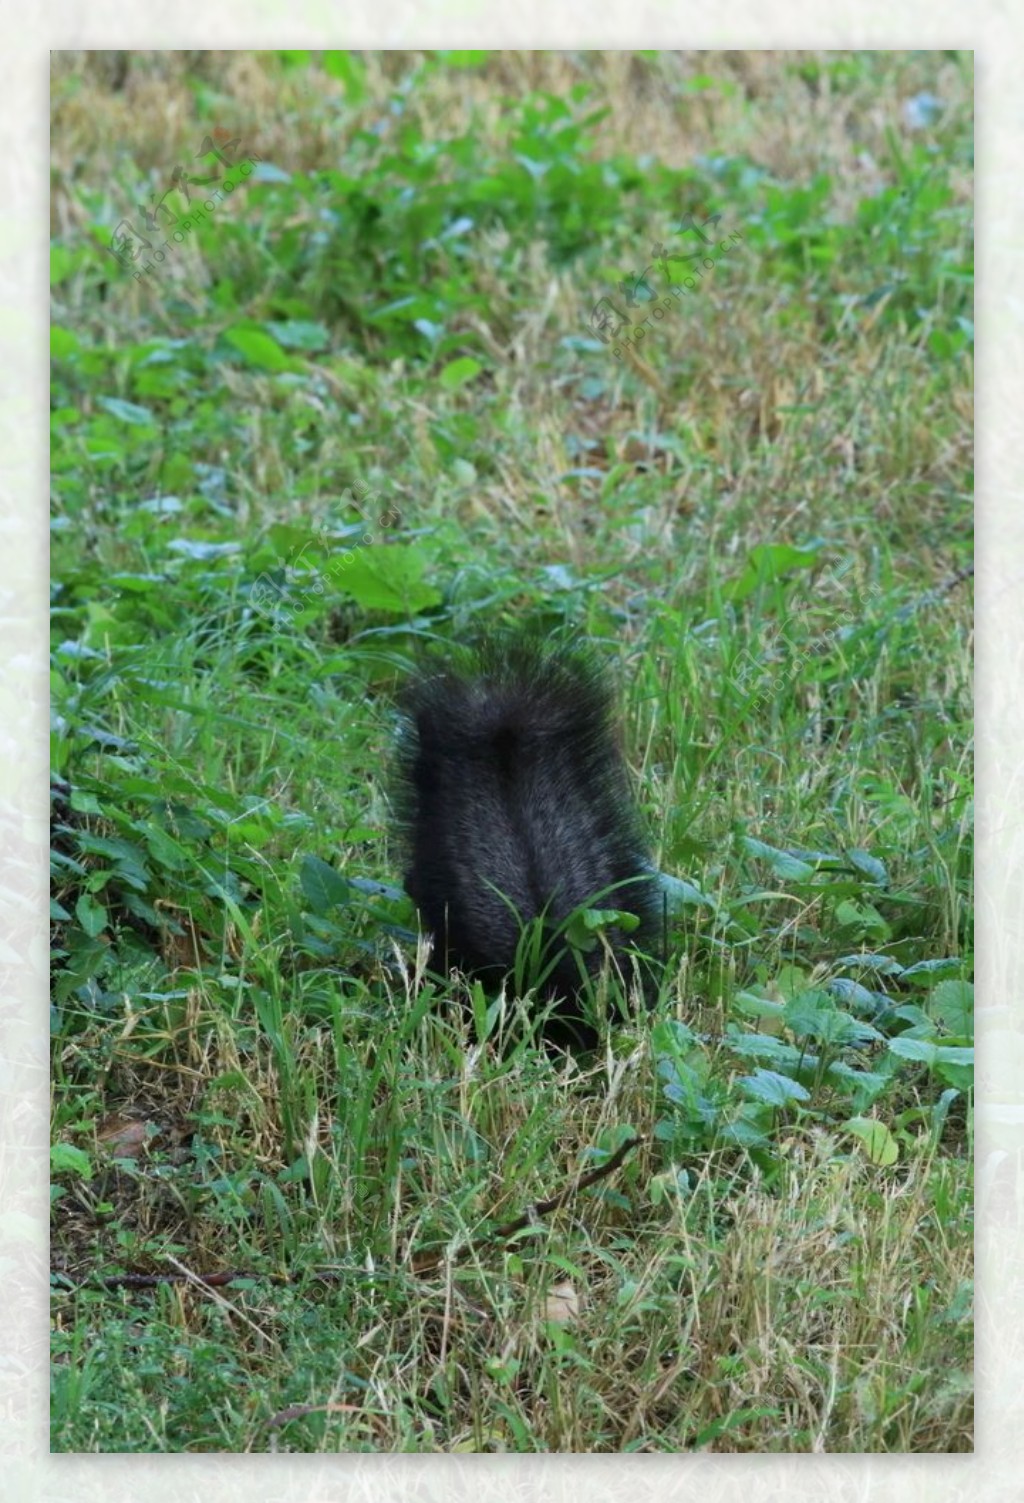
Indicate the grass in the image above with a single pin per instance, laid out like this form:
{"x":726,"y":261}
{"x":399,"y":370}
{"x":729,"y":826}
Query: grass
{"x":367,"y":402}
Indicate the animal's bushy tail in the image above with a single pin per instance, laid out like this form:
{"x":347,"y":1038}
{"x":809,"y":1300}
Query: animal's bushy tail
{"x":515,"y":807}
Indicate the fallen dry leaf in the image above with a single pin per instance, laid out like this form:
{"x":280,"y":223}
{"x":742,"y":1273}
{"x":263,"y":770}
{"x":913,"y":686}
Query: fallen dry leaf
{"x":562,"y":1304}
{"x":124,"y":1137}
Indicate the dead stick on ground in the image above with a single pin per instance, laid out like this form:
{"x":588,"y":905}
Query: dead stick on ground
{"x":427,"y":1262}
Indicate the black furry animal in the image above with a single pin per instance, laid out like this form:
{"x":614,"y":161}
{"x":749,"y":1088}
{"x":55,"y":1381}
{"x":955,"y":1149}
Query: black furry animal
{"x":516,"y":810}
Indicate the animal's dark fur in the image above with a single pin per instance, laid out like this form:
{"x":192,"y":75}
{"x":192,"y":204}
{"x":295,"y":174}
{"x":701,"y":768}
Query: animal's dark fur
{"x":515,"y":804}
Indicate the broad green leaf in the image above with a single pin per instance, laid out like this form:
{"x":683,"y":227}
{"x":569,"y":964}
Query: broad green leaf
{"x":869,"y":866}
{"x":160,"y":506}
{"x":164,"y":849}
{"x":458,"y":227}
{"x":752,"y":1005}
{"x":781,"y":862}
{"x":956,"y":1065}
{"x":775,"y":1089}
{"x":827,"y":1024}
{"x":767,"y":563}
{"x":385,"y":579}
{"x":590,"y":921}
{"x":882,"y":965}
{"x":926,"y":972}
{"x":670,"y":1036}
{"x":91,"y":915}
{"x":880,"y":1145}
{"x":922,"y":1051}
{"x":852,"y":994}
{"x":457,"y":372}
{"x":406,"y":309}
{"x":269,"y":172}
{"x":300,"y":334}
{"x":127,"y":412}
{"x":62,"y":262}
{"x":322,"y":885}
{"x":349,"y":70}
{"x":927,"y":1052}
{"x":952,"y":1003}
{"x":956,"y":1054}
{"x":863,"y":1084}
{"x":681,"y":894}
{"x":85,"y":802}
{"x":862,"y":921}
{"x":259,"y":348}
{"x":765,"y":1046}
{"x":63,"y":342}
{"x":296,"y":546}
{"x":65,"y":1158}
{"x":199,"y":548}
